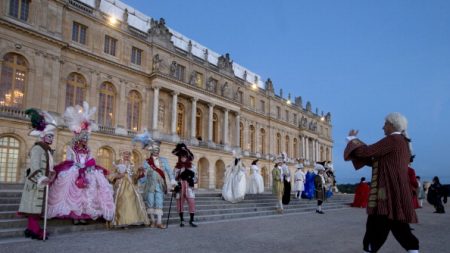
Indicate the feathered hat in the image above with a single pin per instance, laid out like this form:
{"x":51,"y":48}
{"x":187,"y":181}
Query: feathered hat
{"x":255,"y":161}
{"x":143,"y":138}
{"x":78,"y":119}
{"x":182,"y":150}
{"x":318,"y":167}
{"x":278,"y":159}
{"x":41,"y":122}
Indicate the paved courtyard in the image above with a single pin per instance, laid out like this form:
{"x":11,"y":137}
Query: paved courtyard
{"x":336,"y":231}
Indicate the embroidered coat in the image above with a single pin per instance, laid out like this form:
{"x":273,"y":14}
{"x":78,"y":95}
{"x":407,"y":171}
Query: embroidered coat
{"x":390,"y":190}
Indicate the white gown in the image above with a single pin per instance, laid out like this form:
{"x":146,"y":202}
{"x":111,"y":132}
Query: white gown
{"x":255,"y":183}
{"x":235,"y":184}
{"x":299,"y":184}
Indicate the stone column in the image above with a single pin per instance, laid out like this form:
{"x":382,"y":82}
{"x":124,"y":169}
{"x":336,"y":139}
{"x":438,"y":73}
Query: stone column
{"x":307,"y":149}
{"x":173,"y":126}
{"x":225,"y":129}
{"x":210,"y":124}
{"x":238,"y":127}
{"x":303,"y":146}
{"x":155,"y":108}
{"x":194,"y":120}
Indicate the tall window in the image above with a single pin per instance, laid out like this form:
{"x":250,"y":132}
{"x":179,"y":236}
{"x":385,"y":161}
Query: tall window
{"x":278,"y":112}
{"x":179,"y":73}
{"x":136,"y":55}
{"x":105,"y":158}
{"x":198,"y":79}
{"x":215,"y":128}
{"x":241,"y":135}
{"x":79,"y":33}
{"x":134,"y":110}
{"x":295,"y":148}
{"x":263,"y":106}
{"x":19,"y":9}
{"x":252,"y":138}
{"x":287,"y":115}
{"x":106,"y":105}
{"x":198,"y":125}
{"x":180,"y":120}
{"x":75,"y":89}
{"x":13,"y":80}
{"x":9,"y":159}
{"x":287,"y":146}
{"x":295,"y":119}
{"x":110,"y":45}
{"x":262,"y":135}
{"x":278,"y":143}
{"x":252,"y":102}
{"x":240,"y":96}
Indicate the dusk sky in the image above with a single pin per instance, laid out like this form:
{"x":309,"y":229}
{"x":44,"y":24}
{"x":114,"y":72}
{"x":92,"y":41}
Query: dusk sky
{"x":357,"y":59}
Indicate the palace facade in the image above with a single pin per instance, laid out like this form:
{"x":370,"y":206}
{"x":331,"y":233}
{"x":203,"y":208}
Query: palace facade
{"x":140,"y":74}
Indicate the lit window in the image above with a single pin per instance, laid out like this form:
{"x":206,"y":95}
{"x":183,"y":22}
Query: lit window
{"x":106,"y":105}
{"x":13,"y":80}
{"x":75,"y":90}
{"x":133,"y":110}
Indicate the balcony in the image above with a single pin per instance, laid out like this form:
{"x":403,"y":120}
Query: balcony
{"x":11,"y":112}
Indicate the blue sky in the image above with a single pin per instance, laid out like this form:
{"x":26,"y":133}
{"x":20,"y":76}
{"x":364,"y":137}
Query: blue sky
{"x":357,"y":59}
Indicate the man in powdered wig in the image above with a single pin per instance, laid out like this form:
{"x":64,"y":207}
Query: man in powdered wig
{"x":390,"y":205}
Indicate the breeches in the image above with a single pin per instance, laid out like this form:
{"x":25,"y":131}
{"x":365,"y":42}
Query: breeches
{"x":155,"y":200}
{"x":377,"y":231}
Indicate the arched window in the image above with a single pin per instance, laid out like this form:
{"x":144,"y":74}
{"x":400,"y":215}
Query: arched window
{"x":262,"y":135}
{"x":287,"y":146}
{"x":105,"y":158}
{"x":180,"y":119}
{"x":198,"y":124}
{"x":252,"y":138}
{"x":278,"y":143}
{"x":13,"y":80}
{"x":295,"y":148}
{"x":106,"y":108}
{"x":215,"y":128}
{"x":9,"y":159}
{"x":134,"y":110}
{"x":241,"y":135}
{"x":75,"y":89}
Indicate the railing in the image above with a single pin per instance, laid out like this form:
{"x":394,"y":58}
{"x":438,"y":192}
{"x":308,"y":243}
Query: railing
{"x":82,"y":6}
{"x":12,"y":112}
{"x":107,"y":130}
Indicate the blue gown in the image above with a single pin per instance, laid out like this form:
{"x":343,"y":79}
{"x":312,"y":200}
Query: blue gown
{"x":308,"y":193}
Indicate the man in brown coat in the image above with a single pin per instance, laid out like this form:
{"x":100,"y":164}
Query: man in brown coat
{"x":390,"y":201}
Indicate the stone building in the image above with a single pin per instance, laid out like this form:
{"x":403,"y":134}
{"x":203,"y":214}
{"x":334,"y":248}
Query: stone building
{"x":140,"y":74}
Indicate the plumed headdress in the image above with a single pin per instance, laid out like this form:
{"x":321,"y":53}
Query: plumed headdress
{"x":78,"y":118}
{"x":278,"y":159}
{"x":182,"y":150}
{"x":143,"y":138}
{"x":41,"y":122}
{"x":284,"y":157}
{"x":319,"y":167}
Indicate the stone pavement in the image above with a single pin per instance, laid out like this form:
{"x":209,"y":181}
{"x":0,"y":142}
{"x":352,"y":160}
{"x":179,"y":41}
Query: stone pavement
{"x":335,"y":231}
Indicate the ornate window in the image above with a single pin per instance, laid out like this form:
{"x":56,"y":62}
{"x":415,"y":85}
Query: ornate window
{"x":278,"y":143}
{"x":180,"y":120}
{"x":106,"y":108}
{"x":110,"y":45}
{"x":13,"y":80}
{"x":215,"y":128}
{"x":252,"y":139}
{"x":136,"y":55}
{"x":79,"y":32}
{"x":105,"y":157}
{"x":295,"y":148}
{"x":19,"y":9}
{"x":241,"y":135}
{"x":287,"y":146}
{"x":75,"y":89}
{"x":262,"y":135}
{"x":9,"y":159}
{"x":198,"y":124}
{"x":134,"y":110}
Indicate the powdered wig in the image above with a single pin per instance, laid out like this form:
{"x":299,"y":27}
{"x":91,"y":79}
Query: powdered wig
{"x":399,"y":121}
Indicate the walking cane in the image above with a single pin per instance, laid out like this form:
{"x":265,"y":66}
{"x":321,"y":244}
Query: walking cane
{"x":45,"y":213}
{"x":170,"y":207}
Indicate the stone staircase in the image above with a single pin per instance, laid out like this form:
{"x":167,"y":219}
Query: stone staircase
{"x":210,"y":208}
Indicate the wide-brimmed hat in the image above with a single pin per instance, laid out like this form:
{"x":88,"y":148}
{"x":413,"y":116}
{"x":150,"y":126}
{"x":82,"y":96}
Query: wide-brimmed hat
{"x":182,"y":150}
{"x":318,"y":167}
{"x":41,"y":122}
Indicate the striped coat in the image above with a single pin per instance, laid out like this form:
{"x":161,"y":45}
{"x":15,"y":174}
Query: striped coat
{"x":390,"y":193}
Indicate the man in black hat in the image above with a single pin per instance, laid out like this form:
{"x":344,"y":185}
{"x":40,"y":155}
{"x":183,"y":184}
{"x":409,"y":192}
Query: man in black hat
{"x":186,"y":176}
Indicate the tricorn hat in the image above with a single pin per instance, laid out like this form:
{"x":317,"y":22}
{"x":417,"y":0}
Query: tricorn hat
{"x":41,"y":122}
{"x":182,"y":150}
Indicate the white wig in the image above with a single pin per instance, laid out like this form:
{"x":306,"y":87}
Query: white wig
{"x":399,"y":121}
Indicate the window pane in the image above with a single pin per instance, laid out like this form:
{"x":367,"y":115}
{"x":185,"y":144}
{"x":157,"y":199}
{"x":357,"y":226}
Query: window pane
{"x":75,"y":32}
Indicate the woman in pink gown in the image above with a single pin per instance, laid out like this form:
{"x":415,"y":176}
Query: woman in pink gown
{"x":81,"y":190}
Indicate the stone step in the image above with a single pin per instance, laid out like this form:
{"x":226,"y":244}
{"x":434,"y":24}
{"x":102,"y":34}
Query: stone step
{"x":11,"y":186}
{"x":8,"y":214}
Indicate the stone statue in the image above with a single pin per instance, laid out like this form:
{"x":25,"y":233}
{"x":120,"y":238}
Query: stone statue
{"x":189,"y":47}
{"x":173,"y":68}
{"x":245,"y":75}
{"x":224,"y":90}
{"x":308,"y":106}
{"x":192,"y":78}
{"x":156,"y":63}
{"x":269,"y":85}
{"x":328,"y":117}
{"x":281,"y":93}
{"x":298,"y":101}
